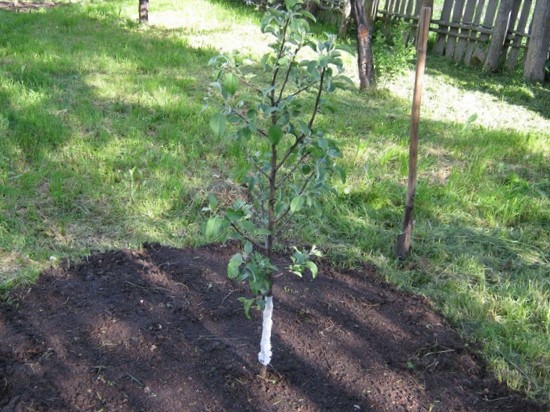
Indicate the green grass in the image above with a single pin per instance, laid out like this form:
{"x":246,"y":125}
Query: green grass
{"x":104,"y":144}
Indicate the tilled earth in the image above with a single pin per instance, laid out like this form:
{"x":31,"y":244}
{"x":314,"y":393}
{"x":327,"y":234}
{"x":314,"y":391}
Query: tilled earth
{"x":161,"y":329}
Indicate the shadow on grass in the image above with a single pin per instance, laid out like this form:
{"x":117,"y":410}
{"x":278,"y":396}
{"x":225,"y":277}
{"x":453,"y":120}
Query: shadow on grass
{"x":100,"y":119}
{"x":504,"y":86}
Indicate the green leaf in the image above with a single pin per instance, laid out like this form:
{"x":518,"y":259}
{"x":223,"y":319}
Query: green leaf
{"x":312,"y":268}
{"x":304,"y":128}
{"x":213,"y":201}
{"x":234,"y":214}
{"x":346,"y":47}
{"x":274,"y":134}
{"x":296,"y":204}
{"x":218,"y":124}
{"x":308,"y":15}
{"x":246,"y":225}
{"x":213,"y":228}
{"x":230,"y":83}
{"x":234,"y":265}
{"x":244,"y":133}
{"x":247,"y":248}
{"x":290,"y":4}
{"x":247,"y":303}
{"x":341,"y":173}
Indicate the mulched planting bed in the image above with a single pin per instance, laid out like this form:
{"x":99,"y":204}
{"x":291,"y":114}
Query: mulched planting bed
{"x":160,"y":329}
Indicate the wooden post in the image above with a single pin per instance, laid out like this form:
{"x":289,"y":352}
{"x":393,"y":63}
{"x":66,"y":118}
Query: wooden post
{"x":413,"y":35}
{"x":499,"y":35}
{"x":404,"y":239}
{"x":539,"y":41}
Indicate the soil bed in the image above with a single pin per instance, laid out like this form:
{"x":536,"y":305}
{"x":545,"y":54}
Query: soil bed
{"x":160,"y":329}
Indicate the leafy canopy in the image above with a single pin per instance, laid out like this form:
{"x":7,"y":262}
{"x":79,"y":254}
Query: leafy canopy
{"x":270,"y":113}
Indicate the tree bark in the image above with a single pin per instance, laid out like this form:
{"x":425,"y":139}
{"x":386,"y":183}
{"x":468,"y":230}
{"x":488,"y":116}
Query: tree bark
{"x":539,"y":41}
{"x":364,"y":24}
{"x":143,"y":11}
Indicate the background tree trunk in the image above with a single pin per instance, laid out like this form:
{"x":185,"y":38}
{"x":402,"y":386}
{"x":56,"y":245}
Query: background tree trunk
{"x":143,"y":11}
{"x":539,"y":41}
{"x":365,"y":25}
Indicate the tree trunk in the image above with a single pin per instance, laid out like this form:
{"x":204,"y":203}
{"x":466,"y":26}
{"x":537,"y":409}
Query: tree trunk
{"x":264,"y":357}
{"x":143,"y":11}
{"x":364,"y":24}
{"x":539,"y":41}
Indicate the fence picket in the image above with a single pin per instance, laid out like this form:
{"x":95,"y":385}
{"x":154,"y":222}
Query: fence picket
{"x":482,"y":32}
{"x":453,"y":31}
{"x":467,"y":19}
{"x":498,"y":38}
{"x":472,"y":43}
{"x":396,"y":5}
{"x":479,"y":52}
{"x":439,"y":47}
{"x":410,"y":7}
{"x":518,"y":36}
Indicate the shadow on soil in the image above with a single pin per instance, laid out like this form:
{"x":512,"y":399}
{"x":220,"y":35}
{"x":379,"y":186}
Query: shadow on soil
{"x":161,"y":329}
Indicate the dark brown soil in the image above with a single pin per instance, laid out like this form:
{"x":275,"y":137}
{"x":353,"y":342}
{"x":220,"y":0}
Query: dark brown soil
{"x":160,"y":329}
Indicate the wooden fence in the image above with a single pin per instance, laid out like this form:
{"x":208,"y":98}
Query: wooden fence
{"x":491,"y":33}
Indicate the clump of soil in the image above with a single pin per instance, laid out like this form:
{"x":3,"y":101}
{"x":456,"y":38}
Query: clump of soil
{"x":160,"y":329}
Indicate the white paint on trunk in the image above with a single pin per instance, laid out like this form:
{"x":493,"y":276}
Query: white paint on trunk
{"x":265,"y":345}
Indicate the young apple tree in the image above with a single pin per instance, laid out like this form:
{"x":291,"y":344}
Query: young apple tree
{"x":271,"y":116}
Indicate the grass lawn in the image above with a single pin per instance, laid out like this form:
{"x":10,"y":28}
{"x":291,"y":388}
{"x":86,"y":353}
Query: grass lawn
{"x":104,"y":144}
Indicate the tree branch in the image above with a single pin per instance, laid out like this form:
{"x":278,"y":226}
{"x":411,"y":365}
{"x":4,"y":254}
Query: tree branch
{"x":315,"y":110}
{"x":244,"y":236}
{"x":285,"y":213}
{"x":279,"y":55}
{"x":303,"y":89}
{"x":250,"y":85}
{"x":258,"y":168}
{"x":318,"y":98}
{"x":288,"y":74}
{"x":290,"y":172}
{"x":263,"y":133}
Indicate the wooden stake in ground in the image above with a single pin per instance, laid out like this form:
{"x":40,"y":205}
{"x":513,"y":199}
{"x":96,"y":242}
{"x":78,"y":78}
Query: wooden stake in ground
{"x":404,"y":239}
